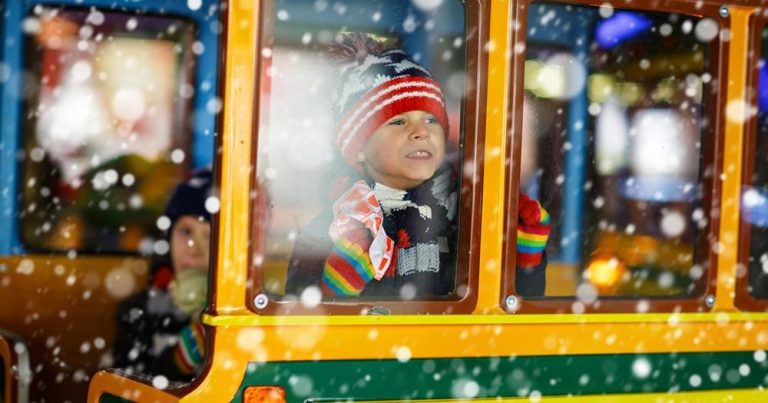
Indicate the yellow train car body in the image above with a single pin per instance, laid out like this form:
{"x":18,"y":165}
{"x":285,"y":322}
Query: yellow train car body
{"x":640,"y":345}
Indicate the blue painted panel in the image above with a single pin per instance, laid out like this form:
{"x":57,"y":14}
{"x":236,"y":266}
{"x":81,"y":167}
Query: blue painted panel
{"x":569,"y":27}
{"x":206,"y":18}
{"x":558,"y":24}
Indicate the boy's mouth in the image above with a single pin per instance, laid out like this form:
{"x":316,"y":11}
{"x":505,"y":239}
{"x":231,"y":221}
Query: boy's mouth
{"x":419,"y":154}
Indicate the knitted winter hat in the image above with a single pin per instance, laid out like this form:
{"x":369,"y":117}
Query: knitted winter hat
{"x":187,"y":199}
{"x":190,"y":196}
{"x":374,"y":85}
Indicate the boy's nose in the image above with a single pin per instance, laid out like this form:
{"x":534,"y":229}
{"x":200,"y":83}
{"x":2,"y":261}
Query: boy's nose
{"x":420,"y":131}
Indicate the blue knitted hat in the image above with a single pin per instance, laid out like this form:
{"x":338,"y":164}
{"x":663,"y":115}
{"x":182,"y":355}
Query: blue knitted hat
{"x":190,"y":196}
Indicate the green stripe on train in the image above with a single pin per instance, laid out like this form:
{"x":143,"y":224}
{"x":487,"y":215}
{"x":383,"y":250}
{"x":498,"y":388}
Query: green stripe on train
{"x":489,"y":377}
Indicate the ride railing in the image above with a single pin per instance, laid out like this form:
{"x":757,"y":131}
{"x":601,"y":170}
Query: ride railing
{"x":15,"y":372}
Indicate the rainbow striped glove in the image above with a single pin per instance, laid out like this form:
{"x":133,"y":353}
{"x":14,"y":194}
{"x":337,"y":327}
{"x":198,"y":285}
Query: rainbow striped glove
{"x":532,"y":232}
{"x":189,"y":352}
{"x":348,"y":268}
{"x":362,"y":250}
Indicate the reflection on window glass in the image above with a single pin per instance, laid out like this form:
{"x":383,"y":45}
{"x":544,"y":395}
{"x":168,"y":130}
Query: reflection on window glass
{"x":314,"y":81}
{"x":612,"y":145}
{"x":104,"y":138}
{"x":754,"y":200}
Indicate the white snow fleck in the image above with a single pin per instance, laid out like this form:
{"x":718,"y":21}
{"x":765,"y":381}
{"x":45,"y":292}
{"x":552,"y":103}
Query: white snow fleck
{"x":427,"y":5}
{"x":673,"y":224}
{"x":586,"y":292}
{"x":212,"y":204}
{"x":403,"y":354}
{"x":163,"y":223}
{"x":695,"y":380}
{"x":301,"y":385}
{"x":744,"y":370}
{"x":214,"y":106}
{"x":706,"y":30}
{"x":160,"y":382}
{"x":311,"y":297}
{"x":25,"y":267}
{"x":739,"y":111}
{"x":194,"y":4}
{"x":665,"y":29}
{"x":606,"y":10}
{"x":464,"y":388}
{"x":715,"y":372}
{"x":95,"y":17}
{"x":641,"y":368}
{"x":161,"y":247}
{"x":408,"y":292}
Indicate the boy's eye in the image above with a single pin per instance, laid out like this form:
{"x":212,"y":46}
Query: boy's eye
{"x":186,"y":231}
{"x":397,"y":122}
{"x":431,"y":120}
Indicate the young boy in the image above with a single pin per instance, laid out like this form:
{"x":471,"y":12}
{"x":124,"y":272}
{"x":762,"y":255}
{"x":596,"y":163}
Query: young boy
{"x":393,"y":231}
{"x":159,"y":332}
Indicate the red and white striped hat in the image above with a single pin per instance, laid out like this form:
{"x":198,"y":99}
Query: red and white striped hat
{"x":375,"y":85}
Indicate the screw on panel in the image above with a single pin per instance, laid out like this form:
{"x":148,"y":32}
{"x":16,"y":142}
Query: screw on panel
{"x":709,"y":301}
{"x":261,"y":301}
{"x":724,"y":11}
{"x":512,"y":302}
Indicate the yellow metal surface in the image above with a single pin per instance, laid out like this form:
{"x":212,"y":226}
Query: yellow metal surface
{"x":236,"y":346}
{"x":562,"y":279}
{"x":722,"y":318}
{"x":239,"y":79}
{"x":492,"y":220}
{"x":219,"y":382}
{"x":106,"y":382}
{"x":736,"y":111}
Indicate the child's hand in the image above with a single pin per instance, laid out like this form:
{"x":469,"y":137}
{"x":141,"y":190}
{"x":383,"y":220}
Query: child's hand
{"x":348,"y":268}
{"x":532,"y":232}
{"x":362,"y":250}
{"x":190,"y":349}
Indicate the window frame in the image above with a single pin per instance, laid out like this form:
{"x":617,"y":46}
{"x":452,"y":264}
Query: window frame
{"x":201,"y":127}
{"x":712,"y":142}
{"x":476,"y":19}
{"x":743,"y":298}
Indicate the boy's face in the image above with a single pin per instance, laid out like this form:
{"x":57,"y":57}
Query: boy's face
{"x":190,"y":243}
{"x":406,"y":150}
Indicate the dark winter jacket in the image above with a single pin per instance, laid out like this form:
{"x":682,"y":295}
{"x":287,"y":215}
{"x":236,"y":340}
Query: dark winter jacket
{"x":148,"y":326}
{"x":314,"y":245}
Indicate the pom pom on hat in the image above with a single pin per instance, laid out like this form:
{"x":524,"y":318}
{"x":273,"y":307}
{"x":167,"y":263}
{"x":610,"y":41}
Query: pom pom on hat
{"x":354,"y":47}
{"x":376,"y":84}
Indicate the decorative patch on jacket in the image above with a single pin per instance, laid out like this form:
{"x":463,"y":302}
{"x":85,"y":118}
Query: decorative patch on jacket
{"x":420,"y":258}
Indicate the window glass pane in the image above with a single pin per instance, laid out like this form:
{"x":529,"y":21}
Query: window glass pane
{"x":755,"y":196}
{"x":612,"y":145}
{"x":106,"y":101}
{"x":302,"y":170}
